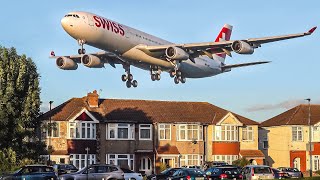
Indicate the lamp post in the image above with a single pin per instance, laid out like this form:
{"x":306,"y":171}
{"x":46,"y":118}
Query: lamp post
{"x":310,"y":144}
{"x":87,"y":149}
{"x":50,"y":133}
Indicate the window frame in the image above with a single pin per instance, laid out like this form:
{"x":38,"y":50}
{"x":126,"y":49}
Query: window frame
{"x":53,"y":130}
{"x":295,"y":137}
{"x":82,"y":159}
{"x":184,"y":129}
{"x":219,"y":133}
{"x":164,"y":129}
{"x":77,"y":127}
{"x":115,"y":127}
{"x":246,"y":130}
{"x":130,"y":158}
{"x":145,"y":128}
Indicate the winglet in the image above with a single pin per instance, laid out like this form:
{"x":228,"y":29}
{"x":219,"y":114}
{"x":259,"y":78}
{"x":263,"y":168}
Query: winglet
{"x":311,"y":30}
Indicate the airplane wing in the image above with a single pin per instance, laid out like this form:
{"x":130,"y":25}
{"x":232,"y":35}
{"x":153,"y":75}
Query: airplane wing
{"x":239,"y":46}
{"x":229,"y":67}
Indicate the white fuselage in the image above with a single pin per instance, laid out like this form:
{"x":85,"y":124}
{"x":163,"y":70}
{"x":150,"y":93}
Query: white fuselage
{"x":111,"y":36}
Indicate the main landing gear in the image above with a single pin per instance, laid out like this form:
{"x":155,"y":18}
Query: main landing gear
{"x":177,"y":77}
{"x":155,"y":73}
{"x":128,"y":77}
{"x":81,"y":43}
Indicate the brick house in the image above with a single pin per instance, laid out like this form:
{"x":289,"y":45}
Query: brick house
{"x":140,"y":134}
{"x":285,"y":138}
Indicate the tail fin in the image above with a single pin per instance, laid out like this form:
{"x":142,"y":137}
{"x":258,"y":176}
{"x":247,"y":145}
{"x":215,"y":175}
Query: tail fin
{"x":224,"y":35}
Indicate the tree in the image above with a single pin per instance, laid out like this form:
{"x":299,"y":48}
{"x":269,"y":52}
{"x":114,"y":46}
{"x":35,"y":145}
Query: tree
{"x":19,"y":104}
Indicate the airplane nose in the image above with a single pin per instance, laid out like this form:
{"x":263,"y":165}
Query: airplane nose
{"x":64,"y":22}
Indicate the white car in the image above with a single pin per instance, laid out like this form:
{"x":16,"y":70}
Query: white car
{"x":130,"y":175}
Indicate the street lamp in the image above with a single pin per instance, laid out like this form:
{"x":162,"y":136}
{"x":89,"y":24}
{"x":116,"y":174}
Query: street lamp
{"x":50,"y":133}
{"x":310,"y":144}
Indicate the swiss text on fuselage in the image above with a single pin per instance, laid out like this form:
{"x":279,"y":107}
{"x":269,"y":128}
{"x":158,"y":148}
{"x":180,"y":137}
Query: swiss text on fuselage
{"x":109,"y":25}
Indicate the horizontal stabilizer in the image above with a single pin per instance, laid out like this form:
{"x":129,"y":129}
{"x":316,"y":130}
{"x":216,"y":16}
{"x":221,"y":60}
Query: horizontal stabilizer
{"x":228,"y":67}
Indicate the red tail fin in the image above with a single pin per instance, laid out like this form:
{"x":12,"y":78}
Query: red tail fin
{"x":224,"y":35}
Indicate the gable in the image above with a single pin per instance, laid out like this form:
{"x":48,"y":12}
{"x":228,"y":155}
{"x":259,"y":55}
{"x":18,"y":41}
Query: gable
{"x":230,"y":119}
{"x":84,"y":115}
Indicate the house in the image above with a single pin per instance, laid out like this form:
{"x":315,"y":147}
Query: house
{"x":284,"y":139}
{"x":142,"y":134}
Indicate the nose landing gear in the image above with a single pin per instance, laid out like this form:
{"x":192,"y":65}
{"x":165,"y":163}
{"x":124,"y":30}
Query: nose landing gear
{"x":81,"y":43}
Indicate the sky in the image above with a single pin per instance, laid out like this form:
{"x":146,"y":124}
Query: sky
{"x":258,"y":92}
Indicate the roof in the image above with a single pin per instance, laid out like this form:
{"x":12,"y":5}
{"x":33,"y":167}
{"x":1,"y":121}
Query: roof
{"x":251,"y":153}
{"x":298,"y":115}
{"x":147,"y":111}
{"x":168,"y":150}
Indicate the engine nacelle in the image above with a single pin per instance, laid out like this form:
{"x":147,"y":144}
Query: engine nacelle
{"x":242,"y":47}
{"x":176,"y":53}
{"x":66,"y":63}
{"x":91,"y":61}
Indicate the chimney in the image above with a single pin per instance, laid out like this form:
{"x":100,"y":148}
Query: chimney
{"x":93,"y":99}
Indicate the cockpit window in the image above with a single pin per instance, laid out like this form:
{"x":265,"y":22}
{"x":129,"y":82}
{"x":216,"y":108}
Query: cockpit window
{"x":72,"y":15}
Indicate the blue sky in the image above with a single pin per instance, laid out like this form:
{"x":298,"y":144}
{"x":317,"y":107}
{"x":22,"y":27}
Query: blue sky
{"x":258,"y":92}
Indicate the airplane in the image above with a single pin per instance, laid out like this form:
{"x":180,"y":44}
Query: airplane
{"x":127,"y":46}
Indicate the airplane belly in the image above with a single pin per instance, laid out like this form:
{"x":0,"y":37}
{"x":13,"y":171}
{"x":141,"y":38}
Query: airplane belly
{"x":199,"y":69}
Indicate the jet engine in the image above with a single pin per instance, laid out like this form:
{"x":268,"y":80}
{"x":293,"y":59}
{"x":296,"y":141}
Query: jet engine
{"x":66,"y":63}
{"x":176,"y":53}
{"x":91,"y":61}
{"x":242,"y":47}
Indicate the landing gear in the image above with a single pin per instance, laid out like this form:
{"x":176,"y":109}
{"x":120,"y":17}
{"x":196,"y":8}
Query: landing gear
{"x":155,"y":73}
{"x":128,"y":78}
{"x":177,"y":77}
{"x":81,"y":43}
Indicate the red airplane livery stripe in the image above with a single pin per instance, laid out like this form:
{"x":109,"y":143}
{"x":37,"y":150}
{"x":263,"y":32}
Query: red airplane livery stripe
{"x":109,"y":25}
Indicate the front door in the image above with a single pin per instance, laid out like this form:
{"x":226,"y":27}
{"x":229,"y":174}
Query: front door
{"x":296,"y":163}
{"x":146,"y":165}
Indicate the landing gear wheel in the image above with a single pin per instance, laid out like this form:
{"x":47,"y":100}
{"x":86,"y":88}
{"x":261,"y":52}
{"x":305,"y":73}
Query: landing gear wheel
{"x":124,"y":77}
{"x":83,"y":51}
{"x":176,"y":80}
{"x":130,"y":77}
{"x":158,"y":77}
{"x":153,"y":77}
{"x":79,"y":51}
{"x":134,"y":83}
{"x":128,"y":83}
{"x":172,"y":74}
{"x":183,"y":80}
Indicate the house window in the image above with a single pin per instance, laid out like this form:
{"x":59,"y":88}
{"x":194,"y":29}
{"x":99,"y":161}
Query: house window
{"x":190,"y":160}
{"x":316,"y":134}
{"x":190,"y":132}
{"x":297,"y":133}
{"x":55,"y":129}
{"x":122,"y":160}
{"x":164,"y":131}
{"x":82,"y":130}
{"x":120,"y":131}
{"x":145,"y":131}
{"x":247,"y":133}
{"x":225,"y":158}
{"x":80,"y":160}
{"x":316,"y":163}
{"x":265,"y":144}
{"x":225,"y":133}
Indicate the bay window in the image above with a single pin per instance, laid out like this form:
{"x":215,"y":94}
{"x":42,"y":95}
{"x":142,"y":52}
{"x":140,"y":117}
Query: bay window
{"x":122,"y":160}
{"x":82,"y":130}
{"x":225,"y":133}
{"x":190,"y":159}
